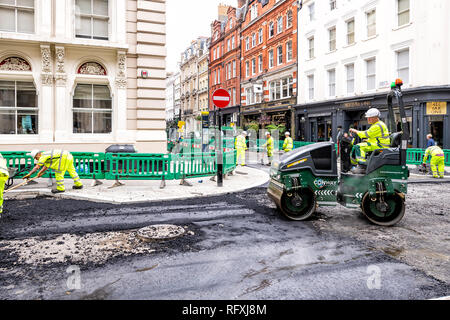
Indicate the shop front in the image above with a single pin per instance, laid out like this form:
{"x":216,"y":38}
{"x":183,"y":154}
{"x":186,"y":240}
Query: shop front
{"x":426,"y":109}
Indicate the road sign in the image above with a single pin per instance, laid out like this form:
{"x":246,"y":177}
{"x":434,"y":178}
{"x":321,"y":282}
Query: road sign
{"x":221,"y":98}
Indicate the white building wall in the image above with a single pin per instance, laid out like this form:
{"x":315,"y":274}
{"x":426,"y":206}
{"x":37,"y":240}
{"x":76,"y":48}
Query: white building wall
{"x":426,"y":36}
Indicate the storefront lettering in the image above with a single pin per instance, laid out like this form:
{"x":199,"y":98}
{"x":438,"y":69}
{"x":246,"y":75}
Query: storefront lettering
{"x":357,"y":104}
{"x":436,"y":108}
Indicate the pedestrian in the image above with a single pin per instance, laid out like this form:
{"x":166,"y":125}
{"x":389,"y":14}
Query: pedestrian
{"x":4,"y":176}
{"x":269,"y":145}
{"x":437,"y":161}
{"x":338,"y":139}
{"x":288,"y":144}
{"x":241,"y":146}
{"x":377,"y":137}
{"x":430,"y":141}
{"x":59,"y":161}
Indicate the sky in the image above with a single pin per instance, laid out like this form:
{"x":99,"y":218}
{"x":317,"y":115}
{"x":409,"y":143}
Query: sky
{"x":187,"y":20}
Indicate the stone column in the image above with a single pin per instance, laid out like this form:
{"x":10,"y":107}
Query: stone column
{"x":46,"y":99}
{"x":121,"y":98}
{"x":61,"y":111}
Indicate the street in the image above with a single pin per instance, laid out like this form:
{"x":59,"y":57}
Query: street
{"x":236,"y":247}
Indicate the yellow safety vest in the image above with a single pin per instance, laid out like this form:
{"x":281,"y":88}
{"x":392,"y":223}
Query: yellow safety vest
{"x":433,"y":151}
{"x":240,"y":143}
{"x":269,"y":144}
{"x":55,"y":159}
{"x":378,"y":134}
{"x":3,"y":166}
{"x":288,"y":144}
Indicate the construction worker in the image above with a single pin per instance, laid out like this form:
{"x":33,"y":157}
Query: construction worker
{"x":288,"y":144}
{"x":377,"y":137}
{"x":437,"y":161}
{"x":269,"y":145}
{"x":241,"y":146}
{"x":4,"y":176}
{"x":59,"y":161}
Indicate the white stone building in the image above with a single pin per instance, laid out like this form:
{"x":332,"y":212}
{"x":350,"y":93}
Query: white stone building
{"x":351,"y":50}
{"x":82,"y":74}
{"x":173,"y":94}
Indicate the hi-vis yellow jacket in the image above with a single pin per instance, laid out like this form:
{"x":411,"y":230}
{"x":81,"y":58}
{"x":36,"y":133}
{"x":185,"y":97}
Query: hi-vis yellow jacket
{"x":240,"y":143}
{"x":55,"y":159}
{"x":433,"y":151}
{"x":378,"y":134}
{"x":288,"y":144}
{"x":3,"y":167}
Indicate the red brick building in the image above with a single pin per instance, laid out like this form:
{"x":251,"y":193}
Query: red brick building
{"x":224,"y":61}
{"x":269,"y":63}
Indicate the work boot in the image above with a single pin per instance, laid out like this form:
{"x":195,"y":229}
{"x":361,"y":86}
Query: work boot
{"x":359,"y":169}
{"x":77,"y":187}
{"x":55,"y":191}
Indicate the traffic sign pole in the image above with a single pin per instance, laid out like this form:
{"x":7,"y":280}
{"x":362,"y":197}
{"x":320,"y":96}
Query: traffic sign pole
{"x":221,"y":99}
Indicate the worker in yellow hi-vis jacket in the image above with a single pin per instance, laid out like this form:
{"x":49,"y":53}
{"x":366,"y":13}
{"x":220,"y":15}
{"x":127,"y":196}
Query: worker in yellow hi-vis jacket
{"x":288,"y":144}
{"x":269,"y":145}
{"x":59,"y":161}
{"x":4,"y":176}
{"x":241,"y":146}
{"x":437,"y":161}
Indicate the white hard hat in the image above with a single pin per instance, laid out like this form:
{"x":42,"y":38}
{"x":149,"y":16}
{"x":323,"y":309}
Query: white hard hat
{"x":244,"y":133}
{"x":267,"y":133}
{"x":287,"y":134}
{"x":34,"y":153}
{"x":373,"y":113}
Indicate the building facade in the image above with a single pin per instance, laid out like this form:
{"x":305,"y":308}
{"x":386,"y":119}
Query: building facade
{"x":173,"y":94}
{"x":350,"y":52}
{"x":190,"y":75}
{"x":70,"y":74}
{"x":224,"y":65}
{"x":269,"y":63}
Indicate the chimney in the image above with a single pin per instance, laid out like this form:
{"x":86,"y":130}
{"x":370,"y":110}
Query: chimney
{"x":223,"y":9}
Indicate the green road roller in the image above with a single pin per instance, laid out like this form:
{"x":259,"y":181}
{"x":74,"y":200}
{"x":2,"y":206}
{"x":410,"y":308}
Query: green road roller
{"x":307,"y":178}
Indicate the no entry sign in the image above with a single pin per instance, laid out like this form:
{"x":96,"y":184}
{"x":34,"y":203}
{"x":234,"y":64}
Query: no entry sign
{"x":221,"y":98}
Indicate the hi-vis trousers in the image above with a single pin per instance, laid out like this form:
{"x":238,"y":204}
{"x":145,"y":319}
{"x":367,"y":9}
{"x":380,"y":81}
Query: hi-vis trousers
{"x":59,"y":175}
{"x":3,"y":179}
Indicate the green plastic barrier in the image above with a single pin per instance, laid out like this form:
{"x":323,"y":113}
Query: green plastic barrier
{"x":138,"y":166}
{"x":194,"y":165}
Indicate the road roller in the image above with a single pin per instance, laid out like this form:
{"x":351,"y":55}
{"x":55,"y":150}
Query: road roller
{"x":307,"y":178}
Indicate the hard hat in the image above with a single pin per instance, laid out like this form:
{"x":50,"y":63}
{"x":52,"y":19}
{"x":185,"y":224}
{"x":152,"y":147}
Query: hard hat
{"x":244,"y":133}
{"x":287,"y":134}
{"x":267,"y":133}
{"x":373,"y":113}
{"x":34,"y":153}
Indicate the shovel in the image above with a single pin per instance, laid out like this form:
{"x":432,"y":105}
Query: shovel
{"x":21,"y":184}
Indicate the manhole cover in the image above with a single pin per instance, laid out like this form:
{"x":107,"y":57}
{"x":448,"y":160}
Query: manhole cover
{"x":160,"y":232}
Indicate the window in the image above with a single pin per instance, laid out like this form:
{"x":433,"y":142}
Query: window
{"x":92,"y":19}
{"x":281,"y":89}
{"x":271,"y":30}
{"x":260,"y":36}
{"x":231,"y":24}
{"x":247,"y":43}
{"x":280,"y":55}
{"x":260,"y":63}
{"x":351,"y":31}
{"x":214,"y":54}
{"x":92,"y":109}
{"x":371,"y":74}
{"x":271,"y":59}
{"x":232,"y":42}
{"x":371,"y":23}
{"x":18,"y":108}
{"x":289,"y":19}
{"x":332,"y":5}
{"x":332,"y":39}
{"x":234,"y":96}
{"x":253,"y":66}
{"x":280,"y":25}
{"x":229,"y":45}
{"x":403,"y":65}
{"x":288,"y":51}
{"x":247,"y":69}
{"x":218,"y":76}
{"x":253,"y":12}
{"x":311,"y":86}
{"x":17,"y":16}
{"x":311,"y":47}
{"x":234,"y":68}
{"x":229,"y":71}
{"x":332,"y":82}
{"x":403,"y":12}
{"x":312,"y":12}
{"x":350,"y":68}
{"x":253,"y":40}
{"x":249,"y":95}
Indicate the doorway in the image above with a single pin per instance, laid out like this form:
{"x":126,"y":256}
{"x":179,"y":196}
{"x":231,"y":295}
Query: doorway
{"x":436,"y":128}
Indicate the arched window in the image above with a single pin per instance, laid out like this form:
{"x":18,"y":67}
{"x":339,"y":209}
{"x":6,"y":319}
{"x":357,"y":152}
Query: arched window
{"x":289,"y":19}
{"x":92,"y":109}
{"x":18,"y":100}
{"x":92,"y":68}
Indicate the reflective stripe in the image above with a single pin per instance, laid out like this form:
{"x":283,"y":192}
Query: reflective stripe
{"x":382,"y":131}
